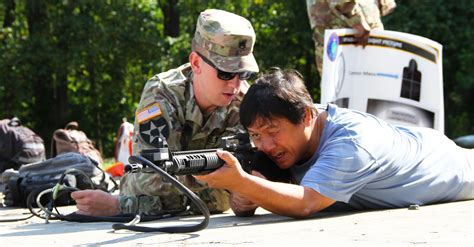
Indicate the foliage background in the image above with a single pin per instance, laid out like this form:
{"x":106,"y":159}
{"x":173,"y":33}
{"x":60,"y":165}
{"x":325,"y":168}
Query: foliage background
{"x":88,"y":60}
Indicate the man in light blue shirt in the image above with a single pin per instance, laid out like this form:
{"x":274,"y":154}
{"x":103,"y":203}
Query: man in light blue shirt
{"x":338,"y":155}
{"x":368,"y":163}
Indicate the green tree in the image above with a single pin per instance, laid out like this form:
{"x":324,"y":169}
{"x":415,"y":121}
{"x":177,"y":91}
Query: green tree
{"x":88,"y":60}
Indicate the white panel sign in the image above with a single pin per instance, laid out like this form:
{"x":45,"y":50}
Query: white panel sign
{"x":397,"y":76}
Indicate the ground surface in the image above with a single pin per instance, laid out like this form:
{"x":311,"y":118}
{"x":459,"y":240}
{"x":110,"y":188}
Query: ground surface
{"x":450,"y":224}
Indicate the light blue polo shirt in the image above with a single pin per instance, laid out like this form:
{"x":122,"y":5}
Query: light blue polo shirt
{"x":368,"y":163}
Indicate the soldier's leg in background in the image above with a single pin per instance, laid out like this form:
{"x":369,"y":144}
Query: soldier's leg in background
{"x":318,"y":40}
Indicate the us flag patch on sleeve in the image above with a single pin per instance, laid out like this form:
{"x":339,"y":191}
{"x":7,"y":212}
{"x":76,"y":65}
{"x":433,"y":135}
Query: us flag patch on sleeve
{"x":148,"y":112}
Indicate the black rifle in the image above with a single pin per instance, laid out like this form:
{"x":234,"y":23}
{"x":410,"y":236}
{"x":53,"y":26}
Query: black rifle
{"x":206,"y":160}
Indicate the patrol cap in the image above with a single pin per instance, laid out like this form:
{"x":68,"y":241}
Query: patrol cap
{"x":226,"y":39}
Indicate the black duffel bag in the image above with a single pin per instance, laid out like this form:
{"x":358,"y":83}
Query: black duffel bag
{"x":75,"y":170}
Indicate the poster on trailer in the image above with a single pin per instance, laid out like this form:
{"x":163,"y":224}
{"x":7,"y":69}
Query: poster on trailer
{"x":397,"y":76}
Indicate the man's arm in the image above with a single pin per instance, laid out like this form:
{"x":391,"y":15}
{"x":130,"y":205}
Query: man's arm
{"x":280,"y":198}
{"x":96,"y":203}
{"x":101,"y":203}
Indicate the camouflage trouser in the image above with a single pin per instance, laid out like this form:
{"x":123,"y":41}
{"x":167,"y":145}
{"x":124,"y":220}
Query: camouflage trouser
{"x":322,"y":16}
{"x":148,"y":193}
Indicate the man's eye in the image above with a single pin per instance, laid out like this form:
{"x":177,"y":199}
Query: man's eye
{"x":273,"y":133}
{"x":254,"y":136}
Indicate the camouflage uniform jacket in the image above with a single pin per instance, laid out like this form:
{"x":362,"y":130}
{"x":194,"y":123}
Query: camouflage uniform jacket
{"x":346,"y":13}
{"x":334,"y":14}
{"x":168,"y":108}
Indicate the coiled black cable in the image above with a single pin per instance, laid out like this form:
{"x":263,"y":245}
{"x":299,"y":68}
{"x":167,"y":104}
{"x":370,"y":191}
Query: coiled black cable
{"x":170,"y":229}
{"x":55,"y":192}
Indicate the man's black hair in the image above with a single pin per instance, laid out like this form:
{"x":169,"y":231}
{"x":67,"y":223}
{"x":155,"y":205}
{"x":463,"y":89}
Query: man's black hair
{"x":277,"y":93}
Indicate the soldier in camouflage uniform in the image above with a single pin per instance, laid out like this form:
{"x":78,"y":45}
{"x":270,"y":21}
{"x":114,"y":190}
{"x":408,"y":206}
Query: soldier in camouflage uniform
{"x":361,"y":15}
{"x":191,"y":107}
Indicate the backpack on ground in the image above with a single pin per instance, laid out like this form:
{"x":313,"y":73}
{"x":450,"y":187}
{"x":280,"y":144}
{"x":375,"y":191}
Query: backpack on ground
{"x":18,"y":145}
{"x":71,"y":139}
{"x":76,"y":170}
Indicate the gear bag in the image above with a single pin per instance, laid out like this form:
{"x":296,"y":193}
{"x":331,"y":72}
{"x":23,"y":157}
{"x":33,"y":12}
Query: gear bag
{"x":32,"y":179}
{"x":71,"y":139}
{"x":18,"y":145}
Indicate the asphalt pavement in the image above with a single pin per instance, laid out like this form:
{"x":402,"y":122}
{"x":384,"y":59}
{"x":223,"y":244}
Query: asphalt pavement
{"x":448,"y":224}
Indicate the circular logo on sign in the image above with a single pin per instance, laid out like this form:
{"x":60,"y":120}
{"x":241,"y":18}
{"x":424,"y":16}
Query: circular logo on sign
{"x":333,"y":44}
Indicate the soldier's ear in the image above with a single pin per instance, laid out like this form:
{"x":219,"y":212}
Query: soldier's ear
{"x":195,"y":62}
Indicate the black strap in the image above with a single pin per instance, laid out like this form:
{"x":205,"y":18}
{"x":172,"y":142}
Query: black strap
{"x":187,"y":129}
{"x":122,"y":218}
{"x":4,"y":219}
{"x":185,"y":136}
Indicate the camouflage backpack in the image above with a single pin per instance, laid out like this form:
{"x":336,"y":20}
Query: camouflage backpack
{"x":71,"y":139}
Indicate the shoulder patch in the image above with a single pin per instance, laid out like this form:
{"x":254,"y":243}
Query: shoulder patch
{"x":152,"y":130}
{"x":148,"y":112}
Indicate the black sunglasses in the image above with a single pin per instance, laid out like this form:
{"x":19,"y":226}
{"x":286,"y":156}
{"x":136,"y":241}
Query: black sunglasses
{"x":223,"y":75}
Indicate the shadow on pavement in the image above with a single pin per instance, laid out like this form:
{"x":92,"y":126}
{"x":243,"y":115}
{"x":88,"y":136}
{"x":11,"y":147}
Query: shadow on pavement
{"x":55,"y":229}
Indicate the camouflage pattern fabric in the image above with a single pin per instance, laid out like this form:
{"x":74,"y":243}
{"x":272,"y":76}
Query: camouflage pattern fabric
{"x":168,"y":108}
{"x":334,"y":14}
{"x":226,"y":39}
